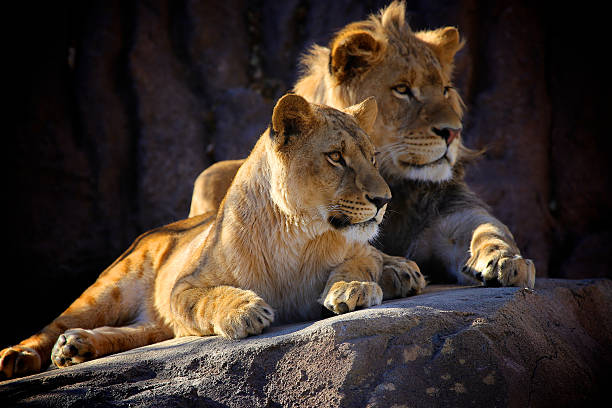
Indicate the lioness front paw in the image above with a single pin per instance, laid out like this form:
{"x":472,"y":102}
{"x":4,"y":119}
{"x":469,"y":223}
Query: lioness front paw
{"x":251,"y":317}
{"x":401,"y":277}
{"x":73,"y":347}
{"x":18,"y":361}
{"x":501,"y":268}
{"x":345,"y":297}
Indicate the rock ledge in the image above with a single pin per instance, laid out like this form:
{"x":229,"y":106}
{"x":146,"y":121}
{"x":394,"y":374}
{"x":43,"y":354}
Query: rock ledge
{"x":452,"y":346}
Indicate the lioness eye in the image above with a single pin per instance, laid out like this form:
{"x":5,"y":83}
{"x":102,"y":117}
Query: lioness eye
{"x":403,"y":89}
{"x":335,"y":158}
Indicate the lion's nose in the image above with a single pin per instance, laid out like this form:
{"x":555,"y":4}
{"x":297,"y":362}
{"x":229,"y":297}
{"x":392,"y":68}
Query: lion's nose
{"x":378,"y":201}
{"x":447,"y":133}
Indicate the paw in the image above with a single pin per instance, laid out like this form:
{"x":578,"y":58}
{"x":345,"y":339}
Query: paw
{"x":345,"y":297}
{"x":502,"y":268}
{"x":18,"y":361}
{"x":251,"y":317}
{"x":400,"y":277}
{"x":73,"y":347}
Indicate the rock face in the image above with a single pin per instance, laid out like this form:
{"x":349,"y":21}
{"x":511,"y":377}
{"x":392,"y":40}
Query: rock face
{"x":119,"y":105}
{"x":499,"y":347}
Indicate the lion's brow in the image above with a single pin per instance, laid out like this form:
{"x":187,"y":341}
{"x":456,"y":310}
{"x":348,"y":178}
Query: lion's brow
{"x":351,"y":130}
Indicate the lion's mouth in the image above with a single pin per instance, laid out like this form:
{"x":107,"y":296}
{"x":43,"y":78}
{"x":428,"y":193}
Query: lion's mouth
{"x":432,"y":163}
{"x":342,"y":221}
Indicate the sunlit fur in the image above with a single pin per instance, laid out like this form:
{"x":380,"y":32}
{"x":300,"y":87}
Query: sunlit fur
{"x":433,"y":218}
{"x":272,"y":253}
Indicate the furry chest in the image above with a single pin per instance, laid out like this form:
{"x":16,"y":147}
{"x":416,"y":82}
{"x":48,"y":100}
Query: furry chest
{"x":294,"y":293}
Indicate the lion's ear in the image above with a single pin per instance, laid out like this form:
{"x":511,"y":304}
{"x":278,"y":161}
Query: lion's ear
{"x":444,"y":42}
{"x":365,"y":113}
{"x":292,"y":116}
{"x":353,"y":51}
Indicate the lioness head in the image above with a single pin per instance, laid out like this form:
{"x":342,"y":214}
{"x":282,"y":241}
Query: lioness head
{"x":418,"y":129}
{"x":323,"y":166}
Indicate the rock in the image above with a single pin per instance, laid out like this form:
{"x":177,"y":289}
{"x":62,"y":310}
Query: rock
{"x":452,"y":346}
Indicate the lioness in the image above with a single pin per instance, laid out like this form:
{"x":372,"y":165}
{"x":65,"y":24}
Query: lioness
{"x":291,"y":235}
{"x":434,"y":218}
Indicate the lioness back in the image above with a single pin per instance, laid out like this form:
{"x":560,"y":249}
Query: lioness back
{"x":290,"y":237}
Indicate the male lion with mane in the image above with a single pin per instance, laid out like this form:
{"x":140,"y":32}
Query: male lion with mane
{"x":434,"y":218}
{"x":290,"y":235}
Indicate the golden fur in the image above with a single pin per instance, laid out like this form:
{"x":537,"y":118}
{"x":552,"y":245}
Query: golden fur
{"x":290,"y":235}
{"x":435,"y":219}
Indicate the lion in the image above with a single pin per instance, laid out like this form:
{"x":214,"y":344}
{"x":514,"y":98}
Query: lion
{"x":434,"y":218}
{"x":290,"y":237}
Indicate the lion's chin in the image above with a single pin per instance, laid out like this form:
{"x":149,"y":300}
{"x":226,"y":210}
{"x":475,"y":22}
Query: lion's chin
{"x":437,"y":171}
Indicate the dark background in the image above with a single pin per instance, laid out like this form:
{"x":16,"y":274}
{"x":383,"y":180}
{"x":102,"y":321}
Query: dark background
{"x":114,"y":107}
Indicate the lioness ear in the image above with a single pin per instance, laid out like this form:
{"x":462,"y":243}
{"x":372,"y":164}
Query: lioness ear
{"x":353,"y":51}
{"x":444,"y":42}
{"x":365,"y":113}
{"x":292,"y":115}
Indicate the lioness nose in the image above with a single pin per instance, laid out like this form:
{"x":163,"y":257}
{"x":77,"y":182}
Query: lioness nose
{"x":378,"y":201}
{"x":448,"y":134}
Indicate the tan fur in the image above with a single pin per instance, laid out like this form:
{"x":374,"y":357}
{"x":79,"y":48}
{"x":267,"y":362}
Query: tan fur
{"x":290,"y":235}
{"x":212,"y":184}
{"x":436,"y":220}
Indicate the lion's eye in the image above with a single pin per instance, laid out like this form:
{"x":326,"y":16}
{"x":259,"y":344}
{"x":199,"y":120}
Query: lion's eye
{"x":403,"y":90}
{"x":335,"y":158}
{"x":446,"y":89}
{"x":374,"y":162}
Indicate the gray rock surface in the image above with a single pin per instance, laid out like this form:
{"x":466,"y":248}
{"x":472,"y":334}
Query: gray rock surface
{"x":451,"y":346}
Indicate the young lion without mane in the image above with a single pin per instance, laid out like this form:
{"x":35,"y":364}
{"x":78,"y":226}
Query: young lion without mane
{"x":434,"y":218}
{"x":291,"y":235}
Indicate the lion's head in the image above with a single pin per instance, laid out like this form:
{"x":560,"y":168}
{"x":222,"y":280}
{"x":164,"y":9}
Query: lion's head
{"x":418,"y":129}
{"x":322,"y":166}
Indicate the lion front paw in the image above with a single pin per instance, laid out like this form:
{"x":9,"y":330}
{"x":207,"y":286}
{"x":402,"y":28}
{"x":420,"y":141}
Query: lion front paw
{"x":251,"y":317}
{"x":401,"y":277}
{"x":500,"y":268}
{"x":345,"y":297}
{"x":73,"y":347}
{"x":18,"y":361}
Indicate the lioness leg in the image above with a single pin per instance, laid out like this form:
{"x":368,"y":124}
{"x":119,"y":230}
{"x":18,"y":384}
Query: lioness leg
{"x":102,"y":304}
{"x":79,"y":345}
{"x":224,"y":310}
{"x":353,"y":283}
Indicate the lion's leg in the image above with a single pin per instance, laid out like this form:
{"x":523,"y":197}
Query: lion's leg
{"x":224,"y":310}
{"x":211,"y":185}
{"x":78,"y":345}
{"x":495,"y":259}
{"x":353,"y":283}
{"x":400,"y":277}
{"x":474,"y":245}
